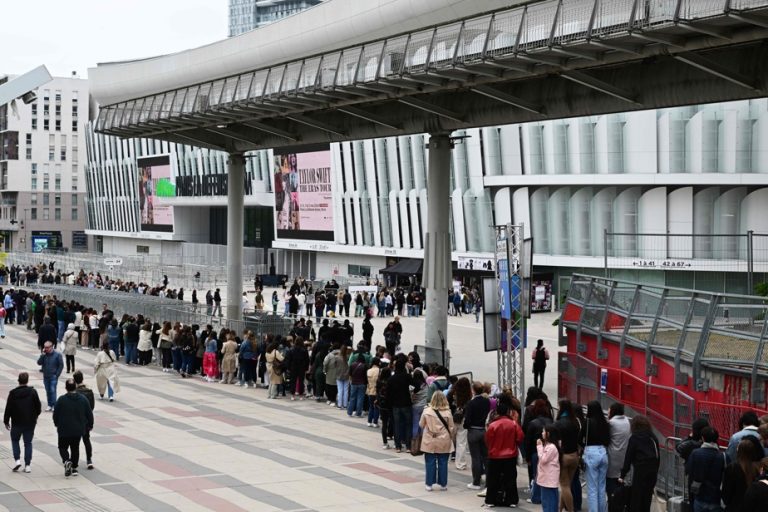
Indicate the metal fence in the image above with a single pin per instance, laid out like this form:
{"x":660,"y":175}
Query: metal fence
{"x":746,"y":253}
{"x":701,"y":332}
{"x":161,"y":309}
{"x":150,"y":269}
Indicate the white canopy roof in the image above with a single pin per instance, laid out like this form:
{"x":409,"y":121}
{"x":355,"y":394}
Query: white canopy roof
{"x":328,"y":26}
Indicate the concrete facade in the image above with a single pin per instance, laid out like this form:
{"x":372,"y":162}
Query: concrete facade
{"x":43,"y":181}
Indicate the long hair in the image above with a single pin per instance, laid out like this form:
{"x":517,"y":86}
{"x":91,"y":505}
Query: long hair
{"x":597,"y":421}
{"x":553,"y":436}
{"x":462,"y":391}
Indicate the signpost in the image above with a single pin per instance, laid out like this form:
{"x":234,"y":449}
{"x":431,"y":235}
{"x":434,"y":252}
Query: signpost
{"x":113,"y":262}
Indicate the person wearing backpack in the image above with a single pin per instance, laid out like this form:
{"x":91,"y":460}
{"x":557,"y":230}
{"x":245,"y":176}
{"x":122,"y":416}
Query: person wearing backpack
{"x":540,"y":357}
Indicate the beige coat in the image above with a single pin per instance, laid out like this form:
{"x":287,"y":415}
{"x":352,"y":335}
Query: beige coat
{"x":229,"y":361}
{"x":104,"y":368}
{"x":273,"y":377}
{"x":436,"y":439}
{"x":373,"y":377}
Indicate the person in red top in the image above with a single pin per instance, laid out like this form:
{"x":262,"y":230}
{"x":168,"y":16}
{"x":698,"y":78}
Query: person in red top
{"x":502,"y":438}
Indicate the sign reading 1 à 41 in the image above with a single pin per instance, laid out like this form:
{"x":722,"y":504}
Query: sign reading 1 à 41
{"x":643,"y":263}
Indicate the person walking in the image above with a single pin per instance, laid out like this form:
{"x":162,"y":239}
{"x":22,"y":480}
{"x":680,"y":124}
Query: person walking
{"x":88,"y":394}
{"x":72,"y":417}
{"x":208,"y":303}
{"x":22,"y":408}
{"x":217,"y":302}
{"x":502,"y":439}
{"x":437,"y":441}
{"x":52,"y":365}
{"x":540,"y":356}
{"x":69,"y":341}
{"x":106,"y":373}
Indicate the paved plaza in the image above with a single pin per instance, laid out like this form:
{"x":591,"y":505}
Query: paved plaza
{"x":168,"y":444}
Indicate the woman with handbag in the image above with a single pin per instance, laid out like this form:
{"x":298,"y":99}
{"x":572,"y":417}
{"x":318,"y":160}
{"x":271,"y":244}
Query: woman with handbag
{"x":437,"y":441}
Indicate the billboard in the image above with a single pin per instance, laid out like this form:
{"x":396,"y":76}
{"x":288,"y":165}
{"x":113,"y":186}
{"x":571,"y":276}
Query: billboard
{"x":304,"y":192}
{"x":155,"y":180}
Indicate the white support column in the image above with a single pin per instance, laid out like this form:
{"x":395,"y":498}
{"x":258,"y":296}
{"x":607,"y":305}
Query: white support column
{"x":235,"y":216}
{"x":437,"y":249}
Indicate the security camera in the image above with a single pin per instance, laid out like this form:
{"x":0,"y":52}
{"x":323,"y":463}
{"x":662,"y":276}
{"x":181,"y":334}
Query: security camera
{"x":29,"y":97}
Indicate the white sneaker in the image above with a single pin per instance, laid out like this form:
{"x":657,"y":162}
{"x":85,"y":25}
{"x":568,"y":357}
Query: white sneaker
{"x":474,"y":487}
{"x":428,"y":487}
{"x":386,"y":446}
{"x":48,"y":409}
{"x":369,"y":424}
{"x":443,"y":488}
{"x":28,"y":469}
{"x":17,"y":466}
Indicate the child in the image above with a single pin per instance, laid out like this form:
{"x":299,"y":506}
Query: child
{"x":548,"y":470}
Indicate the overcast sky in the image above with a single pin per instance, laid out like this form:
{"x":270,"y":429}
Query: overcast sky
{"x":73,"y":35}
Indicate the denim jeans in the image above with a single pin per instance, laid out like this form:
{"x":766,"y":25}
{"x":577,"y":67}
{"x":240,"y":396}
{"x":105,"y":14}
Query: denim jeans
{"x":401,"y":417}
{"x":342,"y":396}
{"x":62,"y":328}
{"x":131,"y":353}
{"x":596,"y":461}
{"x":50,"y":389}
{"x":416,"y":411}
{"x":16,"y":434}
{"x":2,"y":326}
{"x":176,"y":357}
{"x":356,"y":395}
{"x":535,"y":488}
{"x":550,"y":500}
{"x":699,"y":506}
{"x":114,"y":346}
{"x":187,"y":362}
{"x":436,"y":465}
{"x":373,"y":411}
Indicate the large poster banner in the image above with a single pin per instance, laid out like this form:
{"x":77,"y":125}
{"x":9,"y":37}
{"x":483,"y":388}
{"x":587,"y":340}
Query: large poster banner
{"x":155,"y":180}
{"x":304,"y":193}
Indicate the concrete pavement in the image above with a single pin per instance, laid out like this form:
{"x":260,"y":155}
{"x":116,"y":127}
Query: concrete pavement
{"x":183,"y":444}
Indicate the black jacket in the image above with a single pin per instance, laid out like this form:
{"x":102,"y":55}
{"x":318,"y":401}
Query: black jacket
{"x":72,"y":415}
{"x":642,"y":450}
{"x":47,"y":332}
{"x":398,"y":391}
{"x":533,"y":433}
{"x":706,"y":465}
{"x":87,"y":393}
{"x":22,"y":407}
{"x":476,"y":411}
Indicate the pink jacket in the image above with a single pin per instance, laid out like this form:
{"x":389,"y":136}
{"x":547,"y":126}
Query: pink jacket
{"x":548,"y":470}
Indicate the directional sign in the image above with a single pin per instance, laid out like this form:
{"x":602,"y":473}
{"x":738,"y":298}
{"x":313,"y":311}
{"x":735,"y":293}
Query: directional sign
{"x":113,"y":262}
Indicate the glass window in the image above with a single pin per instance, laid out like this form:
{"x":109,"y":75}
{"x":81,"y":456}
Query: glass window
{"x":57,"y":214}
{"x":29,"y":153}
{"x":74,"y":185}
{"x":33,"y":185}
{"x":34,"y":168}
{"x":58,"y":125}
{"x":74,"y":213}
{"x":51,"y":153}
{"x":57,"y":199}
{"x":74,"y":126}
{"x":46,"y":183}
{"x":45,"y":124}
{"x":63,"y":154}
{"x":46,"y":214}
{"x":57,"y":183}
{"x":29,"y":138}
{"x":34,"y":123}
{"x":46,"y":199}
{"x":33,"y":198}
{"x":33,"y":213}
{"x":74,"y":199}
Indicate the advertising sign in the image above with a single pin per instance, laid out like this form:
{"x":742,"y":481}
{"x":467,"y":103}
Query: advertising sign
{"x":155,"y":180}
{"x":42,"y":240}
{"x":479,"y":264}
{"x":304,"y":193}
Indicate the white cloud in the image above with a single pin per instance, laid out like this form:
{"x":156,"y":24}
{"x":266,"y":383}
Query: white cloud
{"x":73,"y":35}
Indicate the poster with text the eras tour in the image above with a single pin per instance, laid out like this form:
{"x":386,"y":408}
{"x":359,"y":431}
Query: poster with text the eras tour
{"x":304,"y":193}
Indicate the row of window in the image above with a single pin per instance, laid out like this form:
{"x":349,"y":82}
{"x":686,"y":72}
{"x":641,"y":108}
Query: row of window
{"x":56,"y":125}
{"x":46,"y":214}
{"x":56,"y":199}
{"x":56,"y":182}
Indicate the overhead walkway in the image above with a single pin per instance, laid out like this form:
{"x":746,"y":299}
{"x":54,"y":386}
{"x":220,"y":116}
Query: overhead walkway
{"x":350,"y":70}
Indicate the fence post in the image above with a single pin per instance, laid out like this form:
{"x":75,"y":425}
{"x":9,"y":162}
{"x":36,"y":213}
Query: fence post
{"x":605,"y":253}
{"x":750,"y":263}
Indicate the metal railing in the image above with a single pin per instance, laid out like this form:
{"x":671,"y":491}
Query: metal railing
{"x":503,"y":34}
{"x":161,"y":309}
{"x":692,"y":329}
